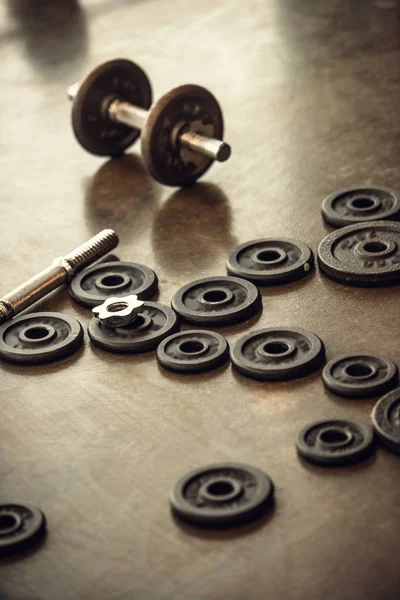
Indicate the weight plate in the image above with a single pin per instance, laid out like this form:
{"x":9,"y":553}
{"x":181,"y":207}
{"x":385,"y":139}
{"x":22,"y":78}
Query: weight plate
{"x":93,"y":128}
{"x":97,"y":283}
{"x":222,"y":495}
{"x":366,"y":254}
{"x":271,"y":261}
{"x":335,"y":442}
{"x":40,"y":338}
{"x":217,"y":301}
{"x":360,"y":204}
{"x":360,"y":376}
{"x":193,"y":351}
{"x":278,"y":353}
{"x":386,"y":420}
{"x":20,"y":526}
{"x":154,"y":323}
{"x":188,"y":107}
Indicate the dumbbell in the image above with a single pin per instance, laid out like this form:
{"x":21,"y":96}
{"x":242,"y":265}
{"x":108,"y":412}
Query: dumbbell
{"x":181,"y":134}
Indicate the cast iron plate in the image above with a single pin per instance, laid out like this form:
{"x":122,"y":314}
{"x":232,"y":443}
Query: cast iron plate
{"x":217,"y":301}
{"x":222,"y":495}
{"x":20,"y":527}
{"x":360,"y":204}
{"x":386,"y":420}
{"x":278,"y":353}
{"x":335,"y":442}
{"x":186,"y":107}
{"x":366,"y":254}
{"x":154,"y":323}
{"x":98,"y":282}
{"x":271,"y":261}
{"x":360,"y":375}
{"x":193,"y":351}
{"x":40,"y":338}
{"x":93,"y":128}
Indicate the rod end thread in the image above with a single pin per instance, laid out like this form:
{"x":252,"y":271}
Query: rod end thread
{"x":92,"y":250}
{"x":5,"y":313}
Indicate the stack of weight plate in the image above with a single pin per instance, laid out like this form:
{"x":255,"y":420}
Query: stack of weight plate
{"x":365,"y":250}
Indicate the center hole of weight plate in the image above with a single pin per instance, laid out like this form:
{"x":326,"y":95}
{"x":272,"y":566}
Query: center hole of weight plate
{"x":375,"y":247}
{"x":268,"y":255}
{"x":358,"y":370}
{"x":113,"y":281}
{"x":222,"y":489}
{"x":335,"y":437}
{"x":362,"y":203}
{"x":276,"y":348}
{"x":36,"y":333}
{"x":9,"y":523}
{"x":117,"y":307}
{"x":216,"y":296}
{"x":192,"y":347}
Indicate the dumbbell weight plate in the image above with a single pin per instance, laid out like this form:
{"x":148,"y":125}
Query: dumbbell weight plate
{"x":359,"y":204}
{"x":190,"y":105}
{"x":20,"y":526}
{"x":40,"y":338}
{"x":92,"y":126}
{"x":217,"y":301}
{"x":335,"y":442}
{"x":193,"y":351}
{"x":154,"y":323}
{"x":278,"y":354}
{"x":222,"y":495}
{"x":386,"y":420}
{"x":360,"y":375}
{"x":115,"y":278}
{"x":366,"y":254}
{"x":271,"y":261}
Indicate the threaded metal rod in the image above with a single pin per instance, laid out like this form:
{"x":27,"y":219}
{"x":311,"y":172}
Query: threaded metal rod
{"x":92,"y":250}
{"x":61,"y":271}
{"x":136,"y":117}
{"x":211,"y":147}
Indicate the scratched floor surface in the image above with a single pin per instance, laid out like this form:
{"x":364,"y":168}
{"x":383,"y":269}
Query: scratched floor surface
{"x":310,"y":92}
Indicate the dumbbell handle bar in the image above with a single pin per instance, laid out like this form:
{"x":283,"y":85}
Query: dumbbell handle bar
{"x":61,"y":271}
{"x":136,"y":117}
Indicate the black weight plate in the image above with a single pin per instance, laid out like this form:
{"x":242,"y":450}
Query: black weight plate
{"x":154,"y":323}
{"x":360,"y":204}
{"x":386,"y":420}
{"x":335,"y":442}
{"x":188,"y":105}
{"x":40,"y":338}
{"x":360,"y":375}
{"x":278,"y":353}
{"x":217,"y":301}
{"x":222,"y":495}
{"x":193,"y":351}
{"x":271,"y":261}
{"x":20,"y":527}
{"x":97,"y":283}
{"x":366,"y":254}
{"x":92,"y":126}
